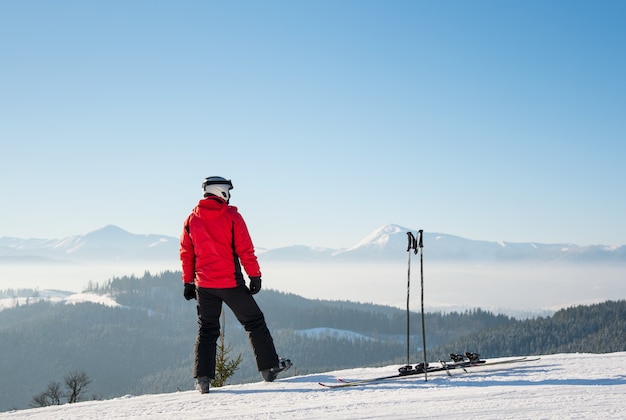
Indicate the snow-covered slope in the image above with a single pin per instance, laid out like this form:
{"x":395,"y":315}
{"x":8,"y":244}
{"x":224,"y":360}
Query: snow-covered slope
{"x":562,"y":386}
{"x":59,"y":297}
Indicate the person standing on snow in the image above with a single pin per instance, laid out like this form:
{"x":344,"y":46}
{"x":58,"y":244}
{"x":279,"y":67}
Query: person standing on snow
{"x":214,"y":246}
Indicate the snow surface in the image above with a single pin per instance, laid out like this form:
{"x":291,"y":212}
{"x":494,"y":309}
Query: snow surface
{"x":59,"y":297}
{"x":565,"y":386}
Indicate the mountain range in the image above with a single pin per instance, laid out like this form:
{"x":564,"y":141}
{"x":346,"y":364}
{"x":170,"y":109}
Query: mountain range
{"x":388,"y":243}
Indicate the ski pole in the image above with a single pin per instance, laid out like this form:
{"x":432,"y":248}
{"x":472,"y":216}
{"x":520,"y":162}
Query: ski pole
{"x":411,"y":246}
{"x":421,"y":249}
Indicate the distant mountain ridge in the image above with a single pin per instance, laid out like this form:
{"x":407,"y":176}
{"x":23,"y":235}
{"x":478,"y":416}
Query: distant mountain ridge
{"x":388,"y":243}
{"x":109,"y":243}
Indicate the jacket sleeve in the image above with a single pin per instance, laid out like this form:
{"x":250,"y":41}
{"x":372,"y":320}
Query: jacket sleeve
{"x":187,"y":255}
{"x":244,"y":247}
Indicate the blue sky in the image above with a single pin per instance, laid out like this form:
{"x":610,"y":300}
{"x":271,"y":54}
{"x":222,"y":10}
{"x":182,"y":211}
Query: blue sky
{"x":494,"y":120}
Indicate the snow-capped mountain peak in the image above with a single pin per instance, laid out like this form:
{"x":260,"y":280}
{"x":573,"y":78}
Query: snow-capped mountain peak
{"x":108,"y":243}
{"x":380,"y":237}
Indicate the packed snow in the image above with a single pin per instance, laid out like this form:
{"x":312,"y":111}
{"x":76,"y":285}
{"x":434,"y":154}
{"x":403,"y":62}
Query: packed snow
{"x":59,"y":297}
{"x":563,"y":386}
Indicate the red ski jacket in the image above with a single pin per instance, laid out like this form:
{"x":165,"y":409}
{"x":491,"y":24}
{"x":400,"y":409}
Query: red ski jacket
{"x":215,"y":243}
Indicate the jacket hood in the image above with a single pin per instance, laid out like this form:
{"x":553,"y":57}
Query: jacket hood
{"x":211,"y":207}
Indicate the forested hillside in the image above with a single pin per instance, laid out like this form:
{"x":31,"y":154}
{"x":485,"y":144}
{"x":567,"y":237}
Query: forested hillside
{"x":598,"y":328}
{"x":146,"y":345}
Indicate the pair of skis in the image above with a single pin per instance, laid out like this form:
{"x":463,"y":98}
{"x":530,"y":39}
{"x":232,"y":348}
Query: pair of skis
{"x":419,"y":369}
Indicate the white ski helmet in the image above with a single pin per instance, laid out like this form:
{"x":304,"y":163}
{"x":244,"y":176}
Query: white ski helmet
{"x":216,"y":185}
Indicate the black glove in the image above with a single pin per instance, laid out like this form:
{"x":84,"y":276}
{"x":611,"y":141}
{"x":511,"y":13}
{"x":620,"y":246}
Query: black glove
{"x":255,"y":285}
{"x":190,"y":291}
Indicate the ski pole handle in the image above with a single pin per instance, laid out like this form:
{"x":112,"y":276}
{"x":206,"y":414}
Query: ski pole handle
{"x":421,"y":235}
{"x":412,"y":241}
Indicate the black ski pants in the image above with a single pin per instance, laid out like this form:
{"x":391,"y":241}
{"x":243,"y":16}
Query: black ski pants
{"x":246,"y":310}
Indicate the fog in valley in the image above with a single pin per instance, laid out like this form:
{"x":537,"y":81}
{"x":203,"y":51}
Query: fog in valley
{"x":512,"y":288}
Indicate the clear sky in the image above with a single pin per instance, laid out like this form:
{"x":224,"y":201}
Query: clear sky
{"x":494,"y":120}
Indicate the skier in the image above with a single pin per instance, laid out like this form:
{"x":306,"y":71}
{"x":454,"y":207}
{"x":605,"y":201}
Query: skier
{"x":214,"y":246}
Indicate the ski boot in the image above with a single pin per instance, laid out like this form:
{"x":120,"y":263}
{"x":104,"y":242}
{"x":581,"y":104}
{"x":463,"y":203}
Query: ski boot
{"x":203,"y":384}
{"x":270,"y":374}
